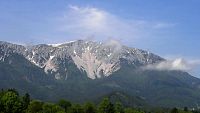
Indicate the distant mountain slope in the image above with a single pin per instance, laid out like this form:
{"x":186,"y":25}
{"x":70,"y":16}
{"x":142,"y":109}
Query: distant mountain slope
{"x":161,"y":88}
{"x":126,"y":100}
{"x":85,"y":71}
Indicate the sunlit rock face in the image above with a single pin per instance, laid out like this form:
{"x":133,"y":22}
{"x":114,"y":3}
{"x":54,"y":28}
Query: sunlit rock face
{"x":93,"y":58}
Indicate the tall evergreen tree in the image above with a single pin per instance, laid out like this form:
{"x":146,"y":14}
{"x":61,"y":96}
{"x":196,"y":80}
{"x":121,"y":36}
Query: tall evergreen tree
{"x":119,"y":108}
{"x":185,"y":109}
{"x":174,"y":110}
{"x":26,"y":101}
{"x":76,"y":109}
{"x":89,"y":108}
{"x":106,"y":106}
{"x":35,"y":106}
{"x":64,"y":104}
{"x":51,"y":108}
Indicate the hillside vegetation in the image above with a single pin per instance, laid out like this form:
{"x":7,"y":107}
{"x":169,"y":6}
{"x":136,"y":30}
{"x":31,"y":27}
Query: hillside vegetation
{"x":12,"y":102}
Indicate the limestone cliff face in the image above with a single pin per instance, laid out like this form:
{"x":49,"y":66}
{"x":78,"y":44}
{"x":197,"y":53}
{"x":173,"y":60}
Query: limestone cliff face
{"x":93,"y":58}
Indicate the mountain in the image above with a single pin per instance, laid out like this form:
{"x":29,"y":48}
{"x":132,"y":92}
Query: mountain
{"x":95,"y":59}
{"x":86,"y":70}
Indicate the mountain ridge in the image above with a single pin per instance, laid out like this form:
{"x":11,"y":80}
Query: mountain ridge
{"x":96,"y":59}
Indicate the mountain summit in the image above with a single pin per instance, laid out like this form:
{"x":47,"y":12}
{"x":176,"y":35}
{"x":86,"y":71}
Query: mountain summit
{"x":95,"y":59}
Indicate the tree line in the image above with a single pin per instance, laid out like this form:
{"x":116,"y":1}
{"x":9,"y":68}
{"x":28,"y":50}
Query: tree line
{"x":12,"y":102}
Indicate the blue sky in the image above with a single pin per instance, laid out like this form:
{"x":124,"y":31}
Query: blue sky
{"x":170,"y":28}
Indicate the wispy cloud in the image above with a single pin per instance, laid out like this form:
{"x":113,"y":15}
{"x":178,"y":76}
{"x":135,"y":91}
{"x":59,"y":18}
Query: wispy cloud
{"x":114,"y":44}
{"x":176,"y":64}
{"x":90,"y":21}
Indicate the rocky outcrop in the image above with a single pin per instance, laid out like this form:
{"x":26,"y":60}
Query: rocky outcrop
{"x":96,"y":59}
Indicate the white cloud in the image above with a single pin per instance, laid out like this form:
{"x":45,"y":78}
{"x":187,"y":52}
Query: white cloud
{"x":87,"y":21}
{"x":84,"y":22}
{"x":176,"y":64}
{"x":114,"y":44}
{"x":87,"y":18}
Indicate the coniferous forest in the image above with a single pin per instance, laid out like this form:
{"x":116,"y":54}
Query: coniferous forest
{"x":12,"y":102}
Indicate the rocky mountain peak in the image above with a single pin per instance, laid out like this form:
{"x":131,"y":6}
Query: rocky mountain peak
{"x":96,"y":59}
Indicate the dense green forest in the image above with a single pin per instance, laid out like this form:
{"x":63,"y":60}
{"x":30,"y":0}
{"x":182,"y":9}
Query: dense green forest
{"x":12,"y":102}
